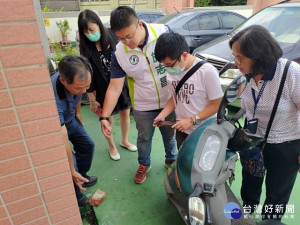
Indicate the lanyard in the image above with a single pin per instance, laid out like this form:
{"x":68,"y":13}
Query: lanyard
{"x":256,"y":100}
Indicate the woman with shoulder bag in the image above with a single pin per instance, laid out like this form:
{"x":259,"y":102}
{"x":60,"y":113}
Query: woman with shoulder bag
{"x":258,"y":56}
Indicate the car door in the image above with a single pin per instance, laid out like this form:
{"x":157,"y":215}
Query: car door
{"x":203,"y":28}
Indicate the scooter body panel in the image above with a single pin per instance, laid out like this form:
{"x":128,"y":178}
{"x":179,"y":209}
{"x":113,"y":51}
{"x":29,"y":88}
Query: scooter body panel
{"x":185,"y":157}
{"x":188,"y":168}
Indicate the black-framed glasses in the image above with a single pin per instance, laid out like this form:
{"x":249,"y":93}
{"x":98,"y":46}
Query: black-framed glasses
{"x":179,"y":59}
{"x":128,"y":39}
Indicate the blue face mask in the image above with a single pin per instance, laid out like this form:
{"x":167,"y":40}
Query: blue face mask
{"x":94,"y":37}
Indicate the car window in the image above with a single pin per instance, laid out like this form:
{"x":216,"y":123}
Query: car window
{"x":209,"y":21}
{"x":231,"y":20}
{"x":192,"y":25}
{"x":154,"y":17}
{"x":282,"y":23}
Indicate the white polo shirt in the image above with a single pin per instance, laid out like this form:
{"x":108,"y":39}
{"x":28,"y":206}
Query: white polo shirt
{"x":286,"y":124}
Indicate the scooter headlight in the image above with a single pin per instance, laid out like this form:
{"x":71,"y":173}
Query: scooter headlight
{"x":210,"y":153}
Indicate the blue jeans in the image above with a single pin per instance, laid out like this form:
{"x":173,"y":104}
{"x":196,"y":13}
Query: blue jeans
{"x":144,"y":125}
{"x":83,"y":148}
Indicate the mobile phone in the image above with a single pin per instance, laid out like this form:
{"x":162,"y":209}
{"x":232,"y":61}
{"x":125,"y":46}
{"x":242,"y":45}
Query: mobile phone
{"x":99,"y":111}
{"x":165,"y":123}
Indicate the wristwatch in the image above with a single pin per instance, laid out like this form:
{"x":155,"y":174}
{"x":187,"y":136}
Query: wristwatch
{"x":103,"y":118}
{"x":198,"y":120}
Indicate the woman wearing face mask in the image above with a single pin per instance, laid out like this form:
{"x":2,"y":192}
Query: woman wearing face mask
{"x":97,"y":44}
{"x":199,"y":97}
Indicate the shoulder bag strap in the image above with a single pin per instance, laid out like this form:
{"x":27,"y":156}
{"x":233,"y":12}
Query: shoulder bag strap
{"x":277,"y":98}
{"x":188,"y":75}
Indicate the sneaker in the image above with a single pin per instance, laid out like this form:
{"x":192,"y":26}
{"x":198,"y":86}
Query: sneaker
{"x":169,"y":163}
{"x":92,"y":181}
{"x":141,"y":173}
{"x":83,"y":200}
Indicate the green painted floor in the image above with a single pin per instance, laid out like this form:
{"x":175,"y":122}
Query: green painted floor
{"x":128,"y":203}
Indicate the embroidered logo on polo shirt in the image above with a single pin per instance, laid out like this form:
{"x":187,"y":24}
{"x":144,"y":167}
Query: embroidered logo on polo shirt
{"x":134,"y":59}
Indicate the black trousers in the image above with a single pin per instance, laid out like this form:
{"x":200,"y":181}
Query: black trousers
{"x":281,"y":163}
{"x":251,"y":190}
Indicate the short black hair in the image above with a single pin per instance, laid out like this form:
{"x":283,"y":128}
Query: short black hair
{"x":122,"y":17}
{"x":73,"y":65}
{"x":170,"y":45}
{"x":86,"y":46}
{"x":257,"y":44}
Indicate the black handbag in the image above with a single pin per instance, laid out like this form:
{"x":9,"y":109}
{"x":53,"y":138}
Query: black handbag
{"x":244,"y":140}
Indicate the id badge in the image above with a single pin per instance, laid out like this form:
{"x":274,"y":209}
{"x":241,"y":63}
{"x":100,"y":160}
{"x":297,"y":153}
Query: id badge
{"x":252,"y":125}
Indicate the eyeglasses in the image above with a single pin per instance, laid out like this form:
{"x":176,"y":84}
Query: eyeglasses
{"x":179,"y":59}
{"x":238,"y":61}
{"x":128,"y":39}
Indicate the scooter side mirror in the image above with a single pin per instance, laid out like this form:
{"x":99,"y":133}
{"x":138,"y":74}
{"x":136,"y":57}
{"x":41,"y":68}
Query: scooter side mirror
{"x":235,"y":89}
{"x":196,"y":207}
{"x":232,"y":93}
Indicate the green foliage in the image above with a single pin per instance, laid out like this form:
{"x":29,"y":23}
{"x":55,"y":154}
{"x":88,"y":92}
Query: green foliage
{"x":46,"y":8}
{"x":59,"y":53}
{"x":228,"y":2}
{"x":201,"y":3}
{"x":71,"y":51}
{"x":64,"y":27}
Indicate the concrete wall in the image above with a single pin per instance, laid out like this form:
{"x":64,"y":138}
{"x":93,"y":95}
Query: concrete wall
{"x":35,"y":182}
{"x":260,"y":4}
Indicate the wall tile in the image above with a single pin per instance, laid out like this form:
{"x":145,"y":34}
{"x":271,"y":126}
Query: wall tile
{"x":9,"y":134}
{"x":28,"y":76}
{"x":2,"y":84}
{"x":14,"y":165}
{"x":22,"y":56}
{"x":53,"y":168}
{"x":37,"y":111}
{"x":16,"y":10}
{"x":64,"y":213}
{"x":41,"y":127}
{"x":29,"y":215}
{"x":24,"y":204}
{"x":33,"y":94}
{"x":58,"y":193}
{"x":20,"y":192}
{"x":11,"y":150}
{"x":9,"y":36}
{"x":5,"y":99}
{"x":55,"y":181}
{"x":61,"y":204}
{"x":47,"y":156}
{"x":44,"y":142}
{"x":7,"y":117}
{"x":16,"y":180}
